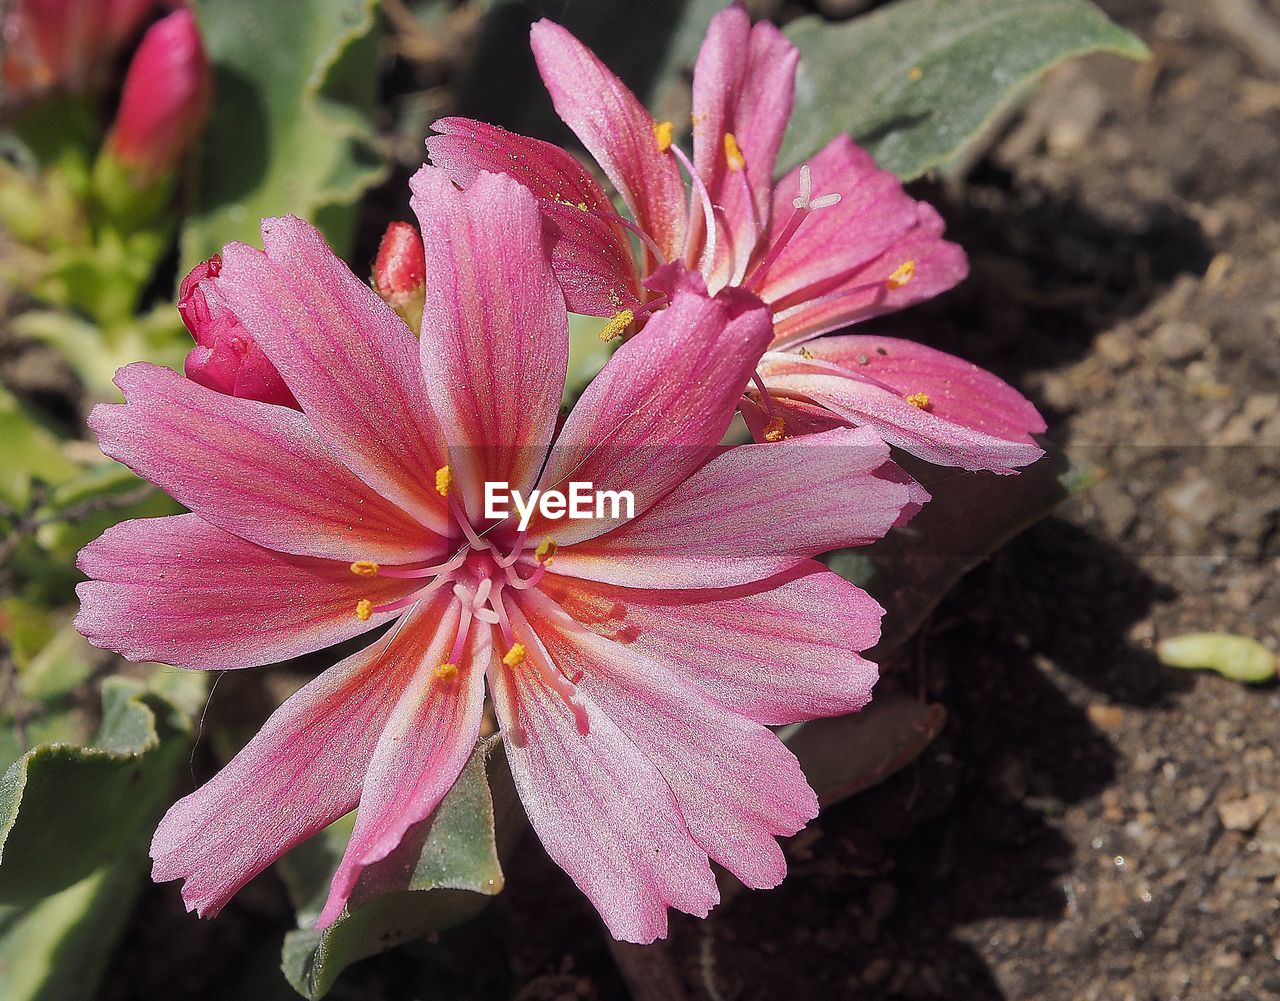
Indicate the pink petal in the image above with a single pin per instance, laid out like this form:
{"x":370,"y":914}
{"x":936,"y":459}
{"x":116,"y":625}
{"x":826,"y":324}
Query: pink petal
{"x":349,"y":360}
{"x":736,"y":784}
{"x":833,"y":242}
{"x":750,"y":513}
{"x":865,"y":292}
{"x":778,"y":651}
{"x":179,"y":591}
{"x":916,"y":430}
{"x":254,"y":469}
{"x":591,"y":256}
{"x":661,"y":404}
{"x":616,"y":130}
{"x":301,"y":772}
{"x":958,"y":391}
{"x":601,"y":809}
{"x":495,"y":335}
{"x":425,"y":743}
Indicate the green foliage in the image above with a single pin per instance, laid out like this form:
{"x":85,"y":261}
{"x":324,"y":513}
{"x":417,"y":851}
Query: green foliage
{"x":291,"y":126}
{"x":442,"y":874}
{"x":917,"y":80}
{"x":1236,"y":657}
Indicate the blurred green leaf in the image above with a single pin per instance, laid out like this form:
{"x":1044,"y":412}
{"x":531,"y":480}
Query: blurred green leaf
{"x":1236,"y":657}
{"x":63,"y":663}
{"x":31,"y":454}
{"x":291,"y":129}
{"x":65,"y":811}
{"x":970,"y":516}
{"x":916,"y":80}
{"x":442,"y":874}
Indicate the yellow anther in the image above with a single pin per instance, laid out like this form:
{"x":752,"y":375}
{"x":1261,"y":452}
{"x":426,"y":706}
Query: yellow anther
{"x":901,"y":275}
{"x":806,"y":353}
{"x":732,"y":153}
{"x":546,"y":551}
{"x":364,"y":609}
{"x":915,"y":74}
{"x":364,"y":568}
{"x":582,"y":206}
{"x":515,"y":656}
{"x":617,"y":325}
{"x":444,"y":479}
{"x":774,"y":430}
{"x":447,"y":671}
{"x":662,"y":134}
{"x":920,"y":400}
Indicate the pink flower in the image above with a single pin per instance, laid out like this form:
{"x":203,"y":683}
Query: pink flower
{"x":226,"y":358}
{"x":65,"y":43}
{"x":633,"y":663}
{"x":165,"y":100}
{"x":834,"y":242}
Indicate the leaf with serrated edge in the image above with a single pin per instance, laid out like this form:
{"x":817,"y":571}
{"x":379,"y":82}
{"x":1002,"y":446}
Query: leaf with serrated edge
{"x":915,"y":80}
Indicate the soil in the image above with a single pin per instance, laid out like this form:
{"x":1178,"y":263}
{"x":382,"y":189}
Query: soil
{"x":1090,"y":824}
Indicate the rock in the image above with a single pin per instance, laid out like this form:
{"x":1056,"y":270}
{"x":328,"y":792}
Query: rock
{"x":1178,"y":340}
{"x":1243,"y":814}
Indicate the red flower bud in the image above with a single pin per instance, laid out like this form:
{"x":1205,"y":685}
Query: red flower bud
{"x":399,"y":272}
{"x":65,"y":43}
{"x":226,"y":358}
{"x":165,"y":99}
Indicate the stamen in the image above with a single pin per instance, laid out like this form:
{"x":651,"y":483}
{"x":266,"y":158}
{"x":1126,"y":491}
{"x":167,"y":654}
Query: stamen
{"x":708,"y":210}
{"x":364,"y":568}
{"x":415,"y":574}
{"x":662,"y":135}
{"x":617,"y":325}
{"x":446,"y":672}
{"x":504,"y":623}
{"x":515,"y":656}
{"x":650,"y":244}
{"x":920,"y":400}
{"x":444,"y":479}
{"x":464,"y":622}
{"x":775,"y":430}
{"x":465,"y":524}
{"x":546,"y":551}
{"x":901,"y":275}
{"x":364,"y":609}
{"x":524,"y":583}
{"x":732,"y":153}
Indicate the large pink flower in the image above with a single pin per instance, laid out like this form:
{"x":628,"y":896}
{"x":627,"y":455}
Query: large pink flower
{"x":831,"y":243}
{"x":633,"y":664}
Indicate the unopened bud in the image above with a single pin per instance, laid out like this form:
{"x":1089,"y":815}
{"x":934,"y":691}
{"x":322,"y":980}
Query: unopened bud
{"x":399,"y":272}
{"x":165,"y":100}
{"x":226,"y":358}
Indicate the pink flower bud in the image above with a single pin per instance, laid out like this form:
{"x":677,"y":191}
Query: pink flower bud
{"x":399,"y":272}
{"x":65,"y":44}
{"x":226,"y":358}
{"x":165,"y":99}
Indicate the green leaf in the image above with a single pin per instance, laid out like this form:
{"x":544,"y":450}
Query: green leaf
{"x":918,"y":79}
{"x":66,"y":811}
{"x":32,"y":454}
{"x":291,"y":129}
{"x":59,"y":948}
{"x":1236,"y":657}
{"x":844,"y":755}
{"x":442,"y":874}
{"x":970,"y":516}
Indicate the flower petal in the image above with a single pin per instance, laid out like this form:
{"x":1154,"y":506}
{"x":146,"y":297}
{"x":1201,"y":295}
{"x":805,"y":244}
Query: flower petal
{"x":661,"y":404}
{"x":615,"y":128}
{"x":424,"y":745}
{"x":495,"y":335}
{"x":301,"y":772}
{"x":737,"y":785}
{"x":750,"y":513}
{"x":254,"y":469}
{"x":179,"y":591}
{"x":911,"y":426}
{"x":591,"y":256}
{"x":602,"y":811}
{"x":349,"y":360}
{"x":777,"y":651}
{"x":937,"y":265}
